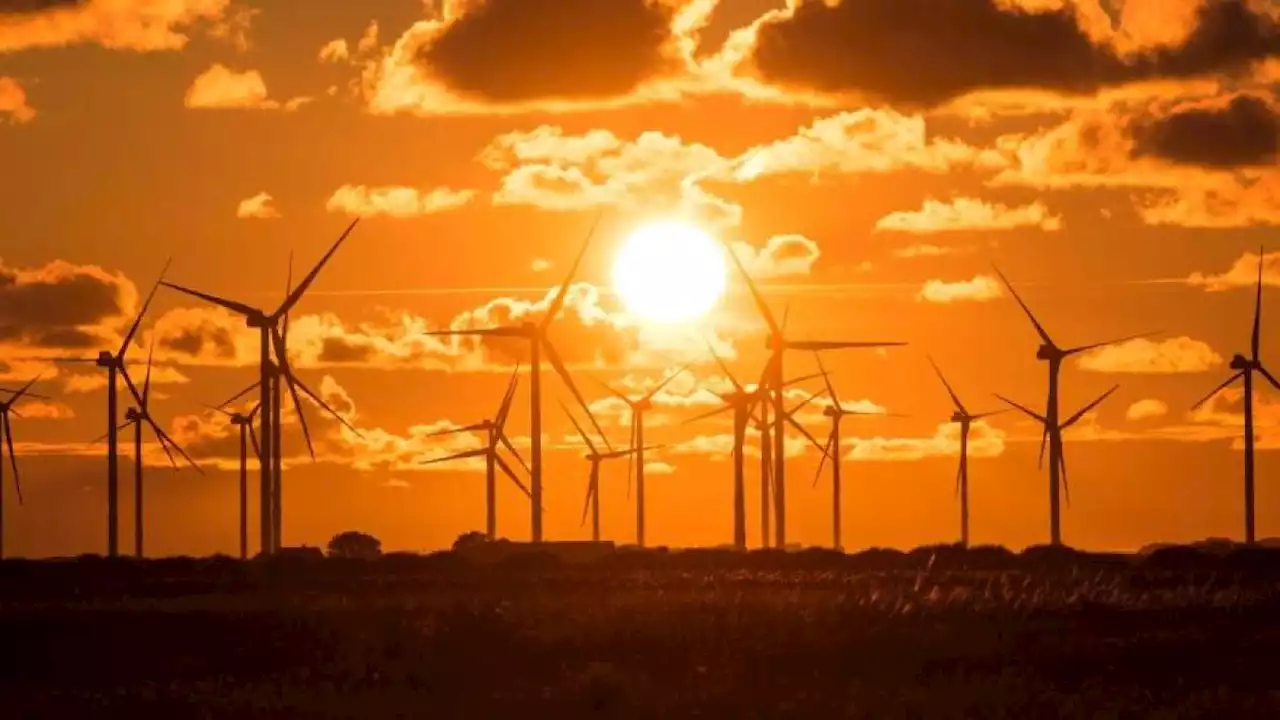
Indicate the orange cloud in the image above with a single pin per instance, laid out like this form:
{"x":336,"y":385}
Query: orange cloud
{"x":927,"y":250}
{"x":260,"y":206}
{"x":396,"y":201}
{"x":969,"y":214}
{"x":112,"y":24}
{"x":335,"y":51}
{"x":985,"y":441}
{"x":1175,"y":355}
{"x":1242,"y":273}
{"x":782,"y":255}
{"x":980,"y":289}
{"x":13,"y":101}
{"x":1147,"y":409}
{"x":221,"y":88}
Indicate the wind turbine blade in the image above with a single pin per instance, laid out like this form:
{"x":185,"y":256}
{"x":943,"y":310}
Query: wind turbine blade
{"x":802,"y":378}
{"x":980,"y":416}
{"x":826,"y":379}
{"x":667,"y":381}
{"x":133,"y":389}
{"x":950,"y":391}
{"x":704,"y":416}
{"x":958,"y":469}
{"x":168,"y":453}
{"x":1023,"y":408}
{"x":287,"y":373}
{"x":315,"y":398}
{"x":1044,"y":334}
{"x":612,"y":390}
{"x":724,"y":368}
{"x":826,"y":452}
{"x":457,"y":430}
{"x":557,"y":302}
{"x":631,"y":462}
{"x":24,"y":391}
{"x":581,"y":433}
{"x":241,"y":394}
{"x":806,"y":433}
{"x":553,"y":356}
{"x":1044,"y":440}
{"x":1076,"y":418}
{"x":504,"y":410}
{"x":253,"y":438}
{"x":506,"y":470}
{"x":305,"y":285}
{"x":146,"y":382}
{"x":761,"y":305}
{"x":166,"y":440}
{"x":457,"y":456}
{"x":1117,"y":341}
{"x":1257,"y":309}
{"x":591,"y":486}
{"x":506,"y":443}
{"x":818,"y":345}
{"x":227,"y":414}
{"x":137,"y":322}
{"x":1267,"y":374}
{"x":1066,"y":484}
{"x":1217,"y":390}
{"x":288,"y":290}
{"x":235,"y":307}
{"x":13,"y":457}
{"x":806,"y":401}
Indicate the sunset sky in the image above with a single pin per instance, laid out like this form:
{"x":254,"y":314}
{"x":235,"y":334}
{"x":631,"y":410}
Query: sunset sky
{"x":867,"y":160}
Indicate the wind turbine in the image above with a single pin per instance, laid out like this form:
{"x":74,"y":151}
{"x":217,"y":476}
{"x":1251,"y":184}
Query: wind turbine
{"x":244,"y":421}
{"x":836,"y":412}
{"x":1245,"y":367}
{"x":273,"y":365}
{"x":137,"y":416}
{"x":495,"y":429}
{"x":965,"y":420}
{"x":742,"y":401}
{"x":639,"y":406}
{"x":535,"y":333}
{"x":777,"y":344}
{"x":1053,"y":356}
{"x":114,"y":364}
{"x":6,"y":429}
{"x":595,"y":457}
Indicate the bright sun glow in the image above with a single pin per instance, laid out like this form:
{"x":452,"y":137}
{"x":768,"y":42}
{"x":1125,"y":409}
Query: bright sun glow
{"x":669,"y":272}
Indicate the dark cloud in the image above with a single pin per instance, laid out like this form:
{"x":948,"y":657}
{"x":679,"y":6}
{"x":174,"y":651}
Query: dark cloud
{"x":62,"y":305}
{"x":341,"y":351}
{"x":20,"y":7}
{"x":1245,"y":131}
{"x":926,"y":52}
{"x":206,"y":340}
{"x":512,"y":50}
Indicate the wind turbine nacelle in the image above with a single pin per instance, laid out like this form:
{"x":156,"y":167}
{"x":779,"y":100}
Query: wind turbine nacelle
{"x":959,"y":417}
{"x":132,"y":415}
{"x":257,"y":321}
{"x":106,"y":359}
{"x":830,"y":412}
{"x":773,"y":344}
{"x":640,"y":406}
{"x":1048,"y":352}
{"x":1240,"y":362}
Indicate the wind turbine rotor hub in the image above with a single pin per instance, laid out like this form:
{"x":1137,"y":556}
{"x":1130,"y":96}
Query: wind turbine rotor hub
{"x":106,"y":359}
{"x":831,"y":412}
{"x":1048,"y":352}
{"x":1240,"y":362}
{"x":959,"y":418}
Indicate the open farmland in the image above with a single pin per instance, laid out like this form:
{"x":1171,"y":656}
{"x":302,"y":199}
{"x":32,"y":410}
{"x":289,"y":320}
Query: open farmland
{"x":941,"y":633}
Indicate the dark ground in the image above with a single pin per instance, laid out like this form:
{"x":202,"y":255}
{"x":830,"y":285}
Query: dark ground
{"x":882,"y":635}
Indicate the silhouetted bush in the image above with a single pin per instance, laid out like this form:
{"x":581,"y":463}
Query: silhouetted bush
{"x":355,"y":545}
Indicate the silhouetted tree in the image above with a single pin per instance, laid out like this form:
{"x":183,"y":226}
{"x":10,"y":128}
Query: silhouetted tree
{"x":352,"y":544}
{"x":469,"y":539}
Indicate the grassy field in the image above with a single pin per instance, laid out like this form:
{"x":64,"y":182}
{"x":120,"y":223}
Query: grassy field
{"x":938,"y":633}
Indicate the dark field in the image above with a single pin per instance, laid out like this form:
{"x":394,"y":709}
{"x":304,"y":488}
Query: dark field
{"x":939,"y":633}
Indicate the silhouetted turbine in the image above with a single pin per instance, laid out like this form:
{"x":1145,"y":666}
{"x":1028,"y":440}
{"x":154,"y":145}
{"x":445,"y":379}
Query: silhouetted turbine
{"x":6,"y":429}
{"x":742,"y":402}
{"x":244,"y":421}
{"x":778,"y":344}
{"x":536,"y":335}
{"x":1245,"y":367}
{"x":496,"y":436}
{"x":635,"y":465}
{"x":595,"y":457}
{"x":1053,"y":356}
{"x":272,"y":345}
{"x":836,"y":412}
{"x":965,"y":419}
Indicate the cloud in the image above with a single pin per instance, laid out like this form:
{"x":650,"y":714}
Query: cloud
{"x":659,"y":468}
{"x":1175,"y":355}
{"x":115,"y":25}
{"x":396,"y":201}
{"x":980,"y":289}
{"x":782,"y":255}
{"x":927,"y":250}
{"x":78,"y":384}
{"x":45,"y":410}
{"x":61,"y":306}
{"x":985,"y":441}
{"x":540,"y":265}
{"x":13,"y":101}
{"x":959,"y":47}
{"x":335,"y":51}
{"x":1146,"y":409}
{"x":1240,"y":201}
{"x":1242,"y":273}
{"x":221,"y":88}
{"x":260,"y":206}
{"x":1235,"y":131}
{"x":969,"y":214}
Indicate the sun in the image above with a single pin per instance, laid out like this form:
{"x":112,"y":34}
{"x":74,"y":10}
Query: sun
{"x":669,"y":272}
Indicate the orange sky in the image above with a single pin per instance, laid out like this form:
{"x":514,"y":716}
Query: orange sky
{"x":868,"y":159}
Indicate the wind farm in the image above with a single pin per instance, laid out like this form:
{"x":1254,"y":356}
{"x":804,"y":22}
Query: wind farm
{"x":639,"y":359}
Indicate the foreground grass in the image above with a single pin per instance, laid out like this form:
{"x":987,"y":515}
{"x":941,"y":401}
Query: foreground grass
{"x":788,"y":638}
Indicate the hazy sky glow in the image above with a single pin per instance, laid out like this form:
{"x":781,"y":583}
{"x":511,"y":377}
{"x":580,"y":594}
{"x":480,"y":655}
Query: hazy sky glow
{"x":867,"y":161}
